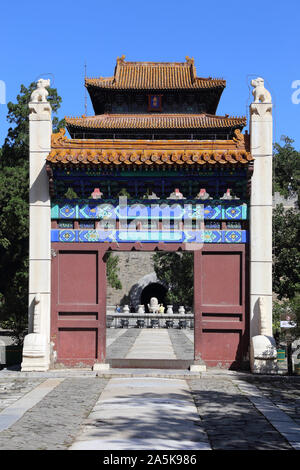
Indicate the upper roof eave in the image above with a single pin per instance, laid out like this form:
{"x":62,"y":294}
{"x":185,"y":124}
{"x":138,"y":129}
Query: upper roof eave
{"x":148,"y":152}
{"x":155,"y":76}
{"x":156,"y":121}
{"x":110,"y":84}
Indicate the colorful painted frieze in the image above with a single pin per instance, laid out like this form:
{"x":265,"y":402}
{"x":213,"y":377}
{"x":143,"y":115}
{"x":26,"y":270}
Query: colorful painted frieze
{"x":163,"y":210}
{"x":175,"y":236}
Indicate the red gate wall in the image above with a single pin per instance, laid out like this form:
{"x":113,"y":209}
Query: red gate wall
{"x":220,"y":292}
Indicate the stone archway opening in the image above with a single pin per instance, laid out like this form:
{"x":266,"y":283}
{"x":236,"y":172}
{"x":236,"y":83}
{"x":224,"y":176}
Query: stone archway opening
{"x":154,"y":289}
{"x":134,"y":336}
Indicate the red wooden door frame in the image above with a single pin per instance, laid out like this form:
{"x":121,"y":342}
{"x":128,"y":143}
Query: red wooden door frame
{"x":221,"y":323}
{"x":60,"y":321}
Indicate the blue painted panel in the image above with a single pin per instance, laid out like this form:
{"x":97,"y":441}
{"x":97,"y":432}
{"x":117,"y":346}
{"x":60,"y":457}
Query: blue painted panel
{"x":154,"y":210}
{"x":147,"y":236}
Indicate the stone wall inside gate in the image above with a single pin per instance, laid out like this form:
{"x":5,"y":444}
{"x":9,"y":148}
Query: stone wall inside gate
{"x":136,"y":270}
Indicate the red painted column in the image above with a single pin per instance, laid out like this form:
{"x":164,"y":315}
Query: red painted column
{"x":197,"y":305}
{"x":102,"y":303}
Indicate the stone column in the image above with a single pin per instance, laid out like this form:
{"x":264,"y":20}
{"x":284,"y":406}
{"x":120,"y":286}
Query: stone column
{"x":261,"y":128}
{"x":36,"y":350}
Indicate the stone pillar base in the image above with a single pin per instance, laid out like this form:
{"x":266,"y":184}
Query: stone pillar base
{"x":101,"y":366}
{"x":34,"y":364}
{"x":267,"y":367}
{"x":35,"y":353}
{"x":263,"y":355}
{"x":198,"y":368}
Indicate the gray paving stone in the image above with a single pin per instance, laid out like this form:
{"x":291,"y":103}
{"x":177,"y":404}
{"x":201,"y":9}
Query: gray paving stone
{"x":120,"y":347}
{"x":54,"y":422}
{"x":12,"y":389}
{"x":145,"y":414}
{"x":234,"y":417}
{"x":283,"y":391}
{"x":182,"y":345}
{"x":231,"y":421}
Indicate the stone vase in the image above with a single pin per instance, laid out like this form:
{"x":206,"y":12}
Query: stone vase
{"x":181,"y":310}
{"x":141,"y":310}
{"x":126,"y":309}
{"x":169,"y":309}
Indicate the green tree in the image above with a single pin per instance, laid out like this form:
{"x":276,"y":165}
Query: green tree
{"x":295,"y":308}
{"x":286,"y":234}
{"x":112,"y":270}
{"x":15,"y":149}
{"x":14,"y":246}
{"x":286,"y":255}
{"x":176,"y":271}
{"x":286,"y":179}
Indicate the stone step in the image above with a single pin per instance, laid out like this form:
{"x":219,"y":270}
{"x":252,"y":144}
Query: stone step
{"x":149,"y":363}
{"x":182,"y":374}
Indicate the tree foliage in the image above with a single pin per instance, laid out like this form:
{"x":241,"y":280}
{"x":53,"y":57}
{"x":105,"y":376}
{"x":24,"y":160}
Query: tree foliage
{"x":14,"y":244}
{"x":112,"y":271}
{"x":286,"y":232}
{"x":283,"y":310}
{"x":286,"y":266}
{"x":15,"y":149}
{"x":286,"y":178}
{"x":176,"y":271}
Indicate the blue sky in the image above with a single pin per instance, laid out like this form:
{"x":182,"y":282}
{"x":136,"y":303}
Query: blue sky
{"x":233,"y":40}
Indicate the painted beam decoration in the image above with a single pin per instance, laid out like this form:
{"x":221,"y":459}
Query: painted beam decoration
{"x":139,"y":222}
{"x":149,"y":211}
{"x":150,"y":236}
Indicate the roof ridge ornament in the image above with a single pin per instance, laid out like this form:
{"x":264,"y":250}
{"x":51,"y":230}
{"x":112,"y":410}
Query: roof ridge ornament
{"x":120,"y":62}
{"x":121,"y":59}
{"x":58,"y":138}
{"x":191,"y":63}
{"x":239,"y":138}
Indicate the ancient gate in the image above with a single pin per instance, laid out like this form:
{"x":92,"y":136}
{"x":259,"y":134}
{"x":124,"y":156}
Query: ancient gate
{"x":186,"y":174}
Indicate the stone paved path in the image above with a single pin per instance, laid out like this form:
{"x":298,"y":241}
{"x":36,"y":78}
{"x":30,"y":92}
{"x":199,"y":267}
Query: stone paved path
{"x":283,"y":392}
{"x":167,"y":343}
{"x":219,"y":410}
{"x":151,"y":344}
{"x":13,"y":390}
{"x":120,"y":345}
{"x":54,"y":422}
{"x":183,"y":343}
{"x":143,"y":413}
{"x":231,"y":420}
{"x":113,"y":334}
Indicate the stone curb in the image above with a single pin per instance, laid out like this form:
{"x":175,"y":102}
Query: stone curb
{"x":283,"y":423}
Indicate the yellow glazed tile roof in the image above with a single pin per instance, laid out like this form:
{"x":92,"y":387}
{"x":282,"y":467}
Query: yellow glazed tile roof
{"x":155,"y":121}
{"x":155,"y":76}
{"x":146,"y":152}
{"x":144,"y":157}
